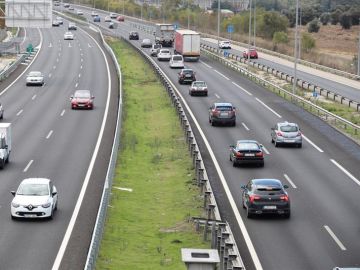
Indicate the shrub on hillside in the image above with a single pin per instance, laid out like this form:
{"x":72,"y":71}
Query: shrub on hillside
{"x":313,"y":26}
{"x":325,"y":18}
{"x":345,"y":20}
{"x":307,"y":42}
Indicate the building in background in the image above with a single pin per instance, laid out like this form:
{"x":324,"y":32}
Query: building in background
{"x":239,"y":5}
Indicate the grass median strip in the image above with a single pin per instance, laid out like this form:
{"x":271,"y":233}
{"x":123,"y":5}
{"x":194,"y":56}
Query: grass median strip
{"x":153,"y":194}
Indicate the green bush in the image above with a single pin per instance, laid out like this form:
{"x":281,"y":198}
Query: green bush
{"x":313,"y":26}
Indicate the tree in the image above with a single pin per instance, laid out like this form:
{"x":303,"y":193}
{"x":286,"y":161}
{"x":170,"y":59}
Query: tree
{"x":325,"y":18}
{"x":223,"y":5}
{"x":307,"y":42}
{"x":335,"y":16}
{"x":271,"y":22}
{"x":280,"y":38}
{"x":345,"y":20}
{"x":313,"y":26}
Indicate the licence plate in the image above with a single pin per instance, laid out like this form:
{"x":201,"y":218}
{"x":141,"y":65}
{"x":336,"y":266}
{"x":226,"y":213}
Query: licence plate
{"x":249,"y":155}
{"x":270,"y":207}
{"x":188,"y":76}
{"x":290,"y":141}
{"x":30,"y":215}
{"x":81,"y":105}
{"x":223,"y":114}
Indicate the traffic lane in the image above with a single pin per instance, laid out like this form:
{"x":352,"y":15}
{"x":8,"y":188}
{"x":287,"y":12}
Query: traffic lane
{"x":84,"y":127}
{"x":244,"y":109}
{"x":325,"y":83}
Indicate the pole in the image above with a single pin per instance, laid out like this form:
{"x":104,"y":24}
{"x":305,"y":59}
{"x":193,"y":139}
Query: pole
{"x":188,"y":15}
{"x":254,"y":43}
{"x":358,"y":67}
{"x":123,"y":7}
{"x":218,"y":24}
{"x":296,"y":47}
{"x":142,"y":9}
{"x":248,"y":52}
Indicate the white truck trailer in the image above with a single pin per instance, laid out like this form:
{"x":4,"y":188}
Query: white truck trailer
{"x":164,"y":34}
{"x":5,"y":143}
{"x":187,"y":43}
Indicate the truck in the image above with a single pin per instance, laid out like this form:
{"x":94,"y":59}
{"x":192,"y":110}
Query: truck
{"x":187,"y":43}
{"x":164,"y":34}
{"x":5,"y":143}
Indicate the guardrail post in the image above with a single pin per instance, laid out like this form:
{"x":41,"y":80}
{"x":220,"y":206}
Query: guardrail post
{"x":195,"y":154}
{"x":200,"y":175}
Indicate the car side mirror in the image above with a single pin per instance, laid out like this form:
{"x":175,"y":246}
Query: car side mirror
{"x":243,"y":187}
{"x":92,"y":97}
{"x":232,"y":146}
{"x":285,"y":186}
{"x":12,"y":192}
{"x":261,"y":145}
{"x":54,"y":193}
{"x":71,"y":97}
{"x":272,"y":128}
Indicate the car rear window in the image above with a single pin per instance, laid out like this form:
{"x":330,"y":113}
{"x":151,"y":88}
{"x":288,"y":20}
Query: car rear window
{"x":187,"y":71}
{"x":268,"y":190}
{"x":199,"y":84}
{"x":289,"y":128}
{"x":165,"y":51}
{"x":224,"y":108}
{"x":247,"y":146}
{"x":177,"y":58}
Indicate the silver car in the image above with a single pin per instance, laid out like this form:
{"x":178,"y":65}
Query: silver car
{"x":1,"y":111}
{"x":35,"y":78}
{"x":164,"y":55}
{"x":155,"y":49}
{"x":286,"y":133}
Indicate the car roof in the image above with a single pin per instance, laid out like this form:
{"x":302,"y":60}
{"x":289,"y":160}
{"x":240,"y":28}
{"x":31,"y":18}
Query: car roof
{"x":247,"y":141}
{"x":35,"y":181}
{"x":287,"y":124}
{"x":82,"y":91}
{"x":267,"y":182}
{"x":222,"y":104}
{"x":35,"y":72}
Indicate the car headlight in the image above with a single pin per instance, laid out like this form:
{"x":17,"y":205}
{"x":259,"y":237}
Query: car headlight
{"x":14,"y":204}
{"x":46,"y":205}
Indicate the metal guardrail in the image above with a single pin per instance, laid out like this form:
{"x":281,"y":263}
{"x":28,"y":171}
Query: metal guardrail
{"x":8,"y":70}
{"x":292,"y":59}
{"x":101,"y":216}
{"x":317,"y":110}
{"x":290,"y":78}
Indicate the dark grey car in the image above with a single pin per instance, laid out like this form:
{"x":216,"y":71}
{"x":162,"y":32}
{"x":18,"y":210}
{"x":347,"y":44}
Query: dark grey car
{"x":286,"y":133}
{"x":265,"y":196}
{"x":222,"y":113}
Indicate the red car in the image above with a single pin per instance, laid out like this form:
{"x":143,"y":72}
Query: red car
{"x":120,"y":18}
{"x":82,"y":99}
{"x":253,"y":53}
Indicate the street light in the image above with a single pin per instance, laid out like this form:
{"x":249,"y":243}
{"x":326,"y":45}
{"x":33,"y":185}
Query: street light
{"x":218,"y":21}
{"x":358,"y":68}
{"x":296,"y":47}
{"x":248,"y":52}
{"x":254,"y":43}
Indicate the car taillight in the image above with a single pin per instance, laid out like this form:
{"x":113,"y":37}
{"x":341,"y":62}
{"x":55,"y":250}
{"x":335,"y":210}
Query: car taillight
{"x":239,"y":154}
{"x":252,"y":198}
{"x":215,"y":112}
{"x":284,"y":198}
{"x":259,"y":154}
{"x":278,"y":133}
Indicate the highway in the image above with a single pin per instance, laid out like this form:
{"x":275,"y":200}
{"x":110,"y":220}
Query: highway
{"x":323,"y":176}
{"x":52,"y":141}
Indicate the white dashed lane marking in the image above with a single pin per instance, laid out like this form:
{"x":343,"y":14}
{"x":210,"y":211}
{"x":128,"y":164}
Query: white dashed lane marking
{"x":28,"y":165}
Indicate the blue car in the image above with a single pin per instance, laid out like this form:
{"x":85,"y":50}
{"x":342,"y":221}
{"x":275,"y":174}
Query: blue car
{"x":97,"y":19}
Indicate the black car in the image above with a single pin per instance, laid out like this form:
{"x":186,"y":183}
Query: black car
{"x":186,"y":75}
{"x":222,"y":113}
{"x":134,"y":35}
{"x":247,"y":152}
{"x":265,"y":196}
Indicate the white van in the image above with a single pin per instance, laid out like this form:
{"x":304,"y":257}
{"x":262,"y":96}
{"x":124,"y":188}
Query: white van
{"x":176,"y":61}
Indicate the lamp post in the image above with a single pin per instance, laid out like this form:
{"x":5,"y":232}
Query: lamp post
{"x":254,"y":43}
{"x":188,"y":15}
{"x":358,"y":66}
{"x":123,"y":7}
{"x":218,"y":24}
{"x":296,"y":47}
{"x":248,"y":52}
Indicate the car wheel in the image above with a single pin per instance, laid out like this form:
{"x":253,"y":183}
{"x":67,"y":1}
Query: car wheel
{"x":248,"y":214}
{"x":213,"y":123}
{"x":272,"y":140}
{"x":52,"y":214}
{"x":2,"y":164}
{"x":299,"y":145}
{"x":243,"y":204}
{"x":276,"y":144}
{"x":13,"y":218}
{"x":234,"y":124}
{"x":287,"y":215}
{"x":261,"y":164}
{"x":2,"y":116}
{"x":190,"y":93}
{"x":234,"y":163}
{"x":7,"y":159}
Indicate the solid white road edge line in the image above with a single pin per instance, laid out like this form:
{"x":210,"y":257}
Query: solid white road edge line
{"x":216,"y":95}
{"x":40,"y":46}
{"x":239,"y":220}
{"x":334,"y":237}
{"x":221,"y":75}
{"x":71,"y":225}
{"x":28,"y":165}
{"x":267,"y":107}
{"x":289,"y":180}
{"x":313,"y":144}
{"x":266,"y":151}
{"x":238,"y":86}
{"x":20,"y":112}
{"x":346,"y":172}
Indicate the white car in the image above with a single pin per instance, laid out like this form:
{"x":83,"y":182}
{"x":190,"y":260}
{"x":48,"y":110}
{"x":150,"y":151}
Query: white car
{"x":60,"y":20}
{"x":79,"y":12}
{"x":107,"y":19}
{"x":225,"y":44}
{"x":35,"y":78}
{"x":176,"y":61}
{"x":34,"y":198}
{"x":94,"y":13}
{"x":113,"y":15}
{"x":155,"y":49}
{"x":68,"y":36}
{"x":164,"y":55}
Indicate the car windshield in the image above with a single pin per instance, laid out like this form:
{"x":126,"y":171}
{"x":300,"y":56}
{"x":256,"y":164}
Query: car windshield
{"x":35,"y":74}
{"x":224,"y":108}
{"x":187,"y":71}
{"x":165,"y":51}
{"x":157,"y":46}
{"x":289,"y":128}
{"x":33,"y":189}
{"x":82,"y":94}
{"x":199,"y":84}
{"x":177,"y":58}
{"x":247,"y":146}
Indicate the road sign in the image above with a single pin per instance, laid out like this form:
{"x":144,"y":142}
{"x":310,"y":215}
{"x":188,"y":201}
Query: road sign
{"x":230,"y":28}
{"x":34,"y":13}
